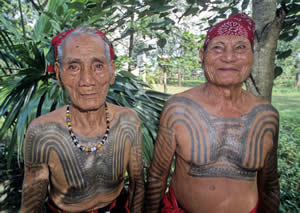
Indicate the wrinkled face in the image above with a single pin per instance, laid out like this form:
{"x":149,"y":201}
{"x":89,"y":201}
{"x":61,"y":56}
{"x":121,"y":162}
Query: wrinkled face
{"x":227,"y":60}
{"x":85,"y":71}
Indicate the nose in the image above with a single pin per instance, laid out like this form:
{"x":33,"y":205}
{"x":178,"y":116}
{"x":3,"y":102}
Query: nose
{"x":86,"y":77}
{"x":228,"y":55}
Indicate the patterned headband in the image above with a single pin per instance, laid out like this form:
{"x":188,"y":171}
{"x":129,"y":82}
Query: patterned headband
{"x":56,"y":41}
{"x":239,"y":24}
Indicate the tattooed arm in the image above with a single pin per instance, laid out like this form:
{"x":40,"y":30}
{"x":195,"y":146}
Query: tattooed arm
{"x":136,"y":173}
{"x":268,"y":182}
{"x":36,"y":180}
{"x":162,"y":159}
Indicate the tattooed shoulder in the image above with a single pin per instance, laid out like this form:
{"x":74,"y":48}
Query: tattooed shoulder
{"x":40,"y":139}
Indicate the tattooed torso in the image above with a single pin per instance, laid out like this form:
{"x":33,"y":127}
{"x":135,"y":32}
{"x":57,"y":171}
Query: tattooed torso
{"x":221,"y":147}
{"x":217,"y":158}
{"x":76,"y":177}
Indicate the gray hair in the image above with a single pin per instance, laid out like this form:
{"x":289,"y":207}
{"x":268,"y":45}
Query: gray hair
{"x":83,"y":31}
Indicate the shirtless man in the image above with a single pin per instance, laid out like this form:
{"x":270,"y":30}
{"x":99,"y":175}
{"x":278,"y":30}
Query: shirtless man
{"x":223,"y":137}
{"x":78,"y":154}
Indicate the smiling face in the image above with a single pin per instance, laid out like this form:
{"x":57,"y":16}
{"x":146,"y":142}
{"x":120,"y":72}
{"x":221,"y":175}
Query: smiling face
{"x":85,"y":71}
{"x":227,"y":61}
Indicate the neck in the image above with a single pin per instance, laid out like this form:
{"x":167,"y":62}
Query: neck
{"x":226,"y":99}
{"x":88,"y":123}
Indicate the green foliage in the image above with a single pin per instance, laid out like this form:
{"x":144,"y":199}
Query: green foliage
{"x":287,"y":103}
{"x":28,"y":91}
{"x":10,"y":182}
{"x":289,"y":164}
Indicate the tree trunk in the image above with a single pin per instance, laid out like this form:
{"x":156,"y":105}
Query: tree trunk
{"x":179,"y":79}
{"x":131,"y":41}
{"x":297,"y":85}
{"x":165,"y":81}
{"x":161,"y":77}
{"x":268,"y":23}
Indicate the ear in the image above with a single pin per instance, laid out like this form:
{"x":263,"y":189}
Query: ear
{"x":112,"y":73}
{"x":57,"y":72}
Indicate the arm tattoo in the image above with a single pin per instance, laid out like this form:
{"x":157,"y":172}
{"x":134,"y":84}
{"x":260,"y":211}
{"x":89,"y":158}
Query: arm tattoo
{"x":33,"y":196}
{"x":160,"y":167}
{"x":268,"y":183}
{"x":130,"y":131}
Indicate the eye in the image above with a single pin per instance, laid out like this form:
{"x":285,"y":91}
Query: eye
{"x":98,"y":67}
{"x":217,"y":48}
{"x":240,"y":47}
{"x":73,"y":67}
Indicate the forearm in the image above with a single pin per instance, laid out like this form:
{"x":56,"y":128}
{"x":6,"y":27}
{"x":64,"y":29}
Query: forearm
{"x":136,"y":173}
{"x":268,"y":186}
{"x":269,"y":197}
{"x":136,"y":196}
{"x":155,"y":191}
{"x":33,"y":196}
{"x":269,"y":200}
{"x":158,"y":173}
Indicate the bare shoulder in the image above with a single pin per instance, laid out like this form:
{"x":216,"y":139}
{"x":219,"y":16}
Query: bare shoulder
{"x":258,"y":102}
{"x":57,"y":116}
{"x":192,"y":93}
{"x":123,"y":113}
{"x":186,"y":98}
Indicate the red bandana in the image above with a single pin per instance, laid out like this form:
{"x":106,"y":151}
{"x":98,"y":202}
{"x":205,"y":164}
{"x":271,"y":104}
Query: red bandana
{"x":60,"y":37}
{"x":239,"y":24}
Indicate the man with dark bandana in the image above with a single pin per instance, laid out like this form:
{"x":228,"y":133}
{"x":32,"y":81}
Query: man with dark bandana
{"x":78,"y":155}
{"x":224,"y":138}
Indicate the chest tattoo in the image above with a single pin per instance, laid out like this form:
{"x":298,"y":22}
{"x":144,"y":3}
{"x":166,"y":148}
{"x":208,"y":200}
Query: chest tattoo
{"x":84,"y":174}
{"x":222,"y":147}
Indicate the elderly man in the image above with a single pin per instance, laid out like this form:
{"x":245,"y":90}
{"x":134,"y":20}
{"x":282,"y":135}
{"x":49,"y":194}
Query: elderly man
{"x":223,"y":137}
{"x":79,"y":154}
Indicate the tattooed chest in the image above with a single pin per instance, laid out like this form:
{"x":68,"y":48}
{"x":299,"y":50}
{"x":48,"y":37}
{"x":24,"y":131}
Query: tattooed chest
{"x":85,"y":174}
{"x":223,"y":147}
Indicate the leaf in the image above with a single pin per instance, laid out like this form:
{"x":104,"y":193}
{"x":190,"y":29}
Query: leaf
{"x":161,"y":42}
{"x":285,"y":54}
{"x":76,"y":5}
{"x":245,"y":4}
{"x":191,"y":11}
{"x":289,"y":35}
{"x":277,"y":72}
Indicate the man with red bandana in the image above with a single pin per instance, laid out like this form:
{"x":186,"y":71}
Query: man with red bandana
{"x":78,"y":155}
{"x":224,"y":138}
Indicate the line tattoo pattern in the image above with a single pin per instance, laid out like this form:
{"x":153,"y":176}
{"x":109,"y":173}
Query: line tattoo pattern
{"x":84,"y":175}
{"x":223,"y":147}
{"x":236,"y":148}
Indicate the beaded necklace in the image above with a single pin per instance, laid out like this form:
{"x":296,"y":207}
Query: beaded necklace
{"x":74,"y":138}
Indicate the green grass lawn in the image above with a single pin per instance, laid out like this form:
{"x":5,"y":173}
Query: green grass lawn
{"x":288,"y":104}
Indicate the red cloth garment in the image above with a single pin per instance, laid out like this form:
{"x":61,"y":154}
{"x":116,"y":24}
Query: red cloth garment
{"x":239,"y":24}
{"x":255,"y":209}
{"x":170,"y":203}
